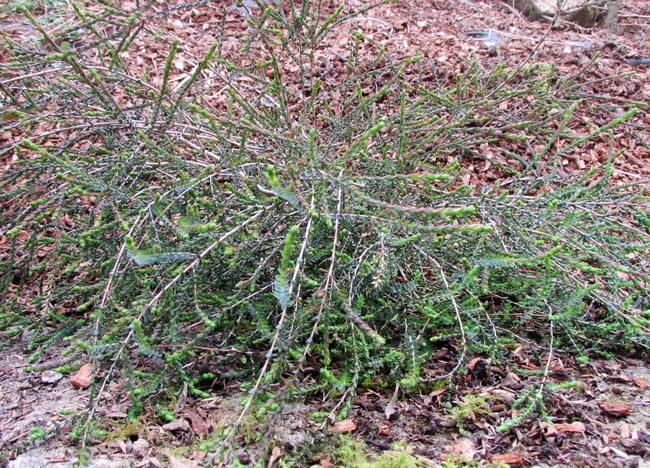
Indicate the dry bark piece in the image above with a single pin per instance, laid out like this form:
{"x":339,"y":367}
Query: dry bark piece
{"x":635,"y":447}
{"x":384,"y":431}
{"x":474,"y":361}
{"x":83,"y":377}
{"x":344,"y":427}
{"x":614,"y":409}
{"x":641,"y":383}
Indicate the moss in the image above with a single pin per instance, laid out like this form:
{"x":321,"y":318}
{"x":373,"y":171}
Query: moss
{"x":133,"y":430}
{"x":354,"y":454}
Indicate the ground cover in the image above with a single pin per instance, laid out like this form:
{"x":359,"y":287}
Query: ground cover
{"x":323,"y":236}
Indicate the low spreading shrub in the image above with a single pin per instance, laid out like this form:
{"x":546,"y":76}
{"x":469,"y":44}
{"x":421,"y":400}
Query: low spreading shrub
{"x":262,"y":224}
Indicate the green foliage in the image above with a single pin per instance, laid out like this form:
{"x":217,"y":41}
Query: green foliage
{"x":37,"y":433}
{"x":281,"y":289}
{"x":273,"y":226}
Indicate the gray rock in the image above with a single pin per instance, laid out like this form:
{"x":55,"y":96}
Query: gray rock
{"x":38,"y":458}
{"x":243,"y":457}
{"x":51,"y":377}
{"x":140,"y":448}
{"x":580,"y":12}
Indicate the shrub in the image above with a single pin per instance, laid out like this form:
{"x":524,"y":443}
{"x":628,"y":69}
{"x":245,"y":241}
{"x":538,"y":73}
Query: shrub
{"x":272,"y":227}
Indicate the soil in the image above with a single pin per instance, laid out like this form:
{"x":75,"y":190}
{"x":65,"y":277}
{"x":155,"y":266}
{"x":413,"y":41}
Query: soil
{"x":601,"y":419}
{"x":600,"y":411}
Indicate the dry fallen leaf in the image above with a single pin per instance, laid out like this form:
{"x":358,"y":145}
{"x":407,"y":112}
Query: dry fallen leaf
{"x":641,"y":383}
{"x":200,"y":426}
{"x":549,"y":430}
{"x":177,"y":425}
{"x":344,"y":427}
{"x":390,"y":409}
{"x":275,"y":454}
{"x":464,"y":447}
{"x":507,"y":396}
{"x":474,"y":361}
{"x":83,"y":377}
{"x":327,"y":463}
{"x":179,"y":462}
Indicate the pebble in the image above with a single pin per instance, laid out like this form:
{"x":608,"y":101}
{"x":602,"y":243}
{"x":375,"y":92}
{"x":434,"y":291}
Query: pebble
{"x":51,"y":377}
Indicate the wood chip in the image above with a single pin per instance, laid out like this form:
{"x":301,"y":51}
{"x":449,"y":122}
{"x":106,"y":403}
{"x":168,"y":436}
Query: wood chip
{"x":614,"y":409}
{"x":507,"y":458}
{"x":625,"y":431}
{"x":574,"y":427}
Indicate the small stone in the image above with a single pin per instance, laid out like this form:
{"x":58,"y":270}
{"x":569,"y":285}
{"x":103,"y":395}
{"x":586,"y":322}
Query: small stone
{"x":51,"y":377}
{"x":243,"y":457}
{"x":431,"y":429}
{"x":447,"y":423}
{"x":140,"y":448}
